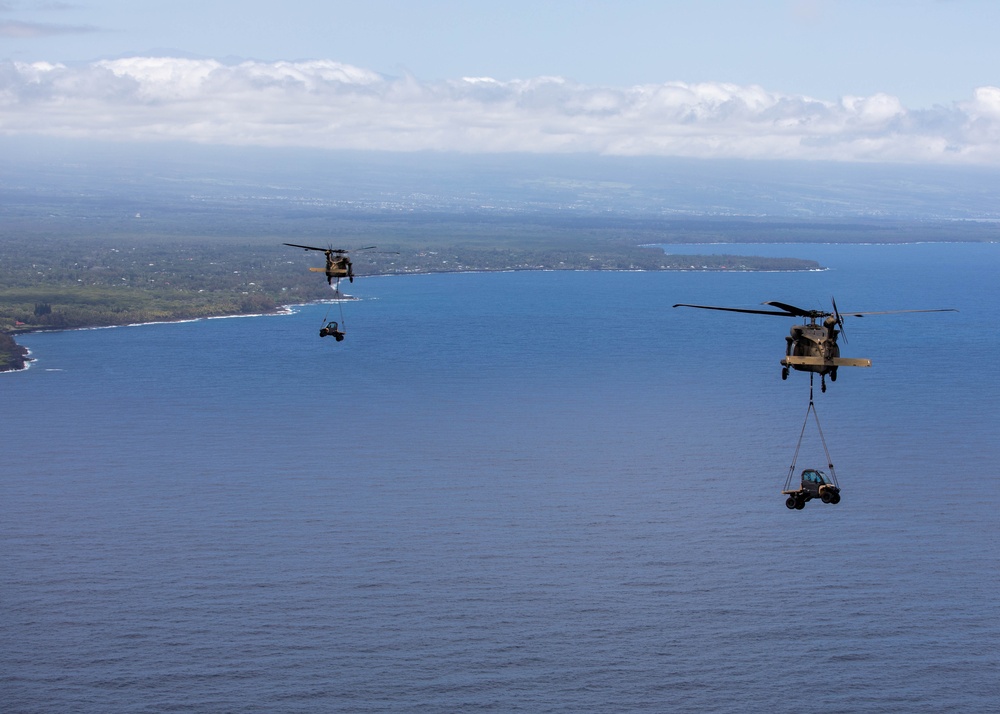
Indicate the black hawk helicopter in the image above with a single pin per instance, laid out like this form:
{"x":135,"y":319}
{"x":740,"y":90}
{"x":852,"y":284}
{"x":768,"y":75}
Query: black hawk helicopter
{"x":812,"y":347}
{"x":338,"y":265}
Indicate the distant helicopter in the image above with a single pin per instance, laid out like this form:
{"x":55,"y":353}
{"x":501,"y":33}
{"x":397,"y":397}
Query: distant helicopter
{"x":813,"y":347}
{"x":338,"y":265}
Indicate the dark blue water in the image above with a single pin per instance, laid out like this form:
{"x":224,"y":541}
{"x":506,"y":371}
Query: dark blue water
{"x":537,"y":492}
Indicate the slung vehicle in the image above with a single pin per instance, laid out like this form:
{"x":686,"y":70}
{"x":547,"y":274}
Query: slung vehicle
{"x":814,"y":484}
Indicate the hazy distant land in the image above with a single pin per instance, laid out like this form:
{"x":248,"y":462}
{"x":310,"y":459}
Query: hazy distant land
{"x":96,"y":238}
{"x":58,"y":282}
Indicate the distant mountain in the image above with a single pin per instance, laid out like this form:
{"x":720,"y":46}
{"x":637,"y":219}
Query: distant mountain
{"x":293,"y":182}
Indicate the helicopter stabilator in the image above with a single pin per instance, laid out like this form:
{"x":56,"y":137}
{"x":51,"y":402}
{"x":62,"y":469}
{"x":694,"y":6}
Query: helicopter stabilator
{"x":812,"y":346}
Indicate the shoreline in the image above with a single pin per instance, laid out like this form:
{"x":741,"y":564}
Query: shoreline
{"x":289,"y":308}
{"x":285,"y":309}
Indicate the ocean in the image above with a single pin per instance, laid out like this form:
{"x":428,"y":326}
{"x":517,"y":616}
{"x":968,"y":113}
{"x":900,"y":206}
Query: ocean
{"x":514,"y":492}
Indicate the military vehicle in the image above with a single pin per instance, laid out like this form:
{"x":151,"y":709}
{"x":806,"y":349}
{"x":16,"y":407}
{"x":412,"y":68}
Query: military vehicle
{"x":332,"y":330}
{"x":814,"y":484}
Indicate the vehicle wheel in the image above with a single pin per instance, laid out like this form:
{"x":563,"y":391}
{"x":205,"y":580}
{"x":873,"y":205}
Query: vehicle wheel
{"x":835,"y":499}
{"x":826,"y":497}
{"x":790,"y":502}
{"x":800,"y":503}
{"x":784,"y":373}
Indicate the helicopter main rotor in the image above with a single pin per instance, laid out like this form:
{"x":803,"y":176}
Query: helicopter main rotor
{"x":338,"y":251}
{"x":812,"y":347}
{"x":787,"y":310}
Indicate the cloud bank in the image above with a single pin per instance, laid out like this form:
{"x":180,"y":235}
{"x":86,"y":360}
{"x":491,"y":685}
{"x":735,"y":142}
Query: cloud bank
{"x":330,"y":105}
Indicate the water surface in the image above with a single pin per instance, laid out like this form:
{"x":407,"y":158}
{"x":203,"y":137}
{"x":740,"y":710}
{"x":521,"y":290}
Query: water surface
{"x":512,"y":492}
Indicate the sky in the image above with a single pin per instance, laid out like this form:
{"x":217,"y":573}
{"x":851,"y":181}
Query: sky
{"x":913,"y":81}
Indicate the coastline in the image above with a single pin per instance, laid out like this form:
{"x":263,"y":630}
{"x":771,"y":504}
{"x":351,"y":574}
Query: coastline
{"x":22,"y":360}
{"x":13,"y":357}
{"x":23,"y":363}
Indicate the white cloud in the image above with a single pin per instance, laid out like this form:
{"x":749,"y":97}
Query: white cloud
{"x":985,"y":103}
{"x":327,"y":104}
{"x":874,"y":110}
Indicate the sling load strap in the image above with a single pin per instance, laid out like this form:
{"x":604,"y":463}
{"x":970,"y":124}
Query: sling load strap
{"x":829,"y":462}
{"x":340,"y":305}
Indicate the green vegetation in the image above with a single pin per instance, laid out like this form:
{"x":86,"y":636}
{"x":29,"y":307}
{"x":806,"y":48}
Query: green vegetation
{"x":50,"y":282}
{"x":58,"y":283}
{"x":112,"y":273}
{"x":120,"y":234}
{"x":12,"y":355}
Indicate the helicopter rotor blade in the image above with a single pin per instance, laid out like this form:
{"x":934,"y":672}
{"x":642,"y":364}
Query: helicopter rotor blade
{"x":787,"y":310}
{"x":839,"y":318}
{"x":337,"y":251}
{"x":738,"y":309}
{"x":377,"y":252}
{"x":896,"y":312}
{"x":797,"y":311}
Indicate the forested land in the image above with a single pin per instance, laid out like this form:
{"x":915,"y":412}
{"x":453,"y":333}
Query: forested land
{"x":12,"y":355}
{"x":96,"y":234}
{"x":97,"y":277}
{"x":61,"y":272}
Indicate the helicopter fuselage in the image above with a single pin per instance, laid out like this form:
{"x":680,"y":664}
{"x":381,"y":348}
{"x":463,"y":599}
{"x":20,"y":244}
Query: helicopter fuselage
{"x":813,"y":348}
{"x":336,"y":267}
{"x":814,"y":341}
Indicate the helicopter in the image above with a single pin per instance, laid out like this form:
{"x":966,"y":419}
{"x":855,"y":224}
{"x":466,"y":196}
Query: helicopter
{"x":338,"y":265}
{"x":812,"y":347}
